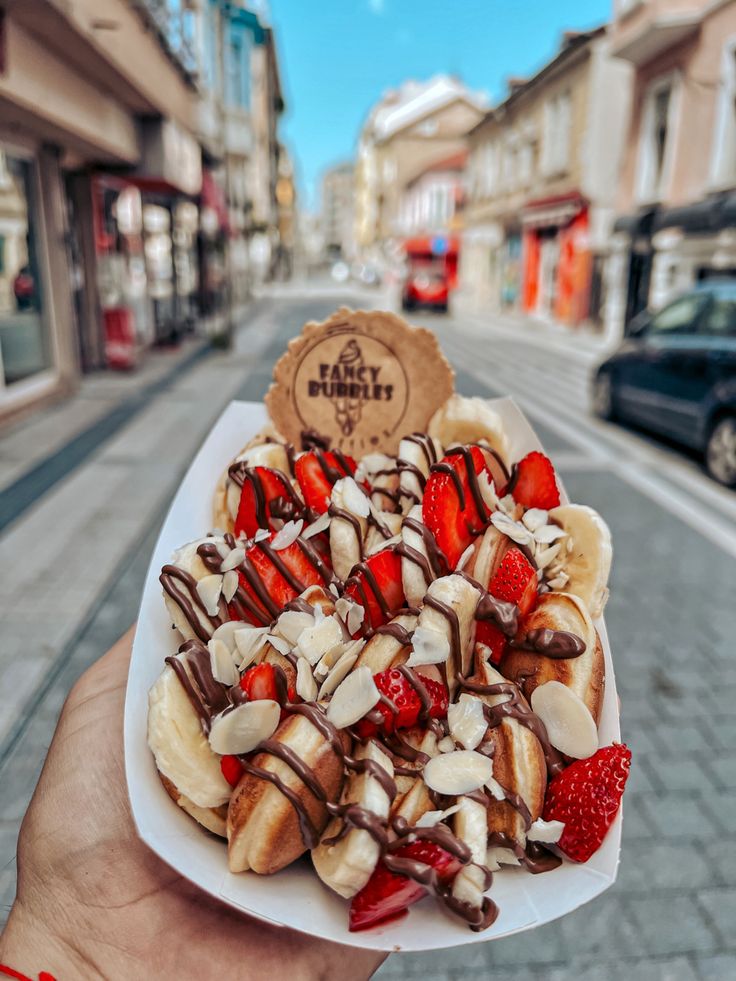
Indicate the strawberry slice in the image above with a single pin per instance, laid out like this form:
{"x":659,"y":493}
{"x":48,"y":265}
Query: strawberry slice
{"x":586,"y":797}
{"x":515,"y":581}
{"x":280,"y":584}
{"x":376,"y":585}
{"x":450,"y":509}
{"x":261,"y":489}
{"x":533,"y":482}
{"x":316,"y":472}
{"x":259,"y":682}
{"x":387,"y":894}
{"x":402,"y":693}
{"x":232,"y":769}
{"x":494,"y":639}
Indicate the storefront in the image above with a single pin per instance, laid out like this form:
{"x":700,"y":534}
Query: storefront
{"x":556,"y":259}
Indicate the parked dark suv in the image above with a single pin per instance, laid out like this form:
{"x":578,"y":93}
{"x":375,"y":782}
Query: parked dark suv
{"x":675,"y":373}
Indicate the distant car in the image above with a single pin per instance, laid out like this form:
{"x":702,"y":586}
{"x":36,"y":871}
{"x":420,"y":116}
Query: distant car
{"x":675,"y":373}
{"x":425,"y":288}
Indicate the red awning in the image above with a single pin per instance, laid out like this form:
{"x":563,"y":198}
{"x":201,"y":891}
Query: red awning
{"x":425,"y":245}
{"x":559,"y":209}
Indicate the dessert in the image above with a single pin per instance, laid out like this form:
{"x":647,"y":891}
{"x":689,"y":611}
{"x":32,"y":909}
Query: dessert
{"x":388,"y":659}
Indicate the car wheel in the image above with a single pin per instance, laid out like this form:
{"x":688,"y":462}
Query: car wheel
{"x":720,"y":451}
{"x":603,"y":396}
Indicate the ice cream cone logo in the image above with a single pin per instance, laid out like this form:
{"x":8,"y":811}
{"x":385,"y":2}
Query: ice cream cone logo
{"x":349,"y":407}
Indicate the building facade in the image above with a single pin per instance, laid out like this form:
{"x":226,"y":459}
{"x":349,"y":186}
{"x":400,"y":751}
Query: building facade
{"x":138,"y":150}
{"x":411,"y":128}
{"x":541,"y":184}
{"x":677,"y":206}
{"x":73,"y":263}
{"x":338,"y":212}
{"x":432,"y":203}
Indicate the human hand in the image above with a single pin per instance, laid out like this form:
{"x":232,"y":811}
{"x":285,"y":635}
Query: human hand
{"x":93,"y":901}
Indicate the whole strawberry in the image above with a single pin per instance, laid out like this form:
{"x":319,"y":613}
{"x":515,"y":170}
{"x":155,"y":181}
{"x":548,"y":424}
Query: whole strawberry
{"x":586,"y":797}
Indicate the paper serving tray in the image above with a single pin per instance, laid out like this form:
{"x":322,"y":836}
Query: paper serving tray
{"x":295,"y":897}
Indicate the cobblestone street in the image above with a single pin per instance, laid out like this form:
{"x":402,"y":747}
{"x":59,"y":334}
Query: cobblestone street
{"x":671,"y":914}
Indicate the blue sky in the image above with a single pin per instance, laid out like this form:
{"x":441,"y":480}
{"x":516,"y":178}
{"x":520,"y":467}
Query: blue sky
{"x":338,"y":56}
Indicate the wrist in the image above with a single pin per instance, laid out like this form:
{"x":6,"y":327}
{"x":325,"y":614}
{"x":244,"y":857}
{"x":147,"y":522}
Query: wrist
{"x":29,"y":948}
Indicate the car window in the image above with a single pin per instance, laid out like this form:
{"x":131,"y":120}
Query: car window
{"x":680,"y":316}
{"x":721,"y":317}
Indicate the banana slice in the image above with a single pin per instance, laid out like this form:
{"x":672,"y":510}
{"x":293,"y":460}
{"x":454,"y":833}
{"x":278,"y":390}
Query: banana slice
{"x":416,"y":572}
{"x":469,"y":420}
{"x":462,"y":598}
{"x":179,"y":745}
{"x":488,"y":555}
{"x":588,"y":563}
{"x":188,"y":560}
{"x":348,"y":526}
{"x":227,"y":494}
{"x":384,"y":650}
{"x":470,"y":824}
{"x":347,"y":865}
{"x":417,"y":452}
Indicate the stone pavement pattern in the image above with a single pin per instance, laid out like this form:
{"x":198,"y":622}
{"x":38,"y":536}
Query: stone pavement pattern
{"x":671,"y":914}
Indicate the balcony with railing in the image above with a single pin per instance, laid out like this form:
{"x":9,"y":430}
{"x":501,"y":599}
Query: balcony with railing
{"x":643,"y":29}
{"x":174,"y":20}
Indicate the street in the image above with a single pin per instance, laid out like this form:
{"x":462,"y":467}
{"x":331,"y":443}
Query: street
{"x":670,"y":618}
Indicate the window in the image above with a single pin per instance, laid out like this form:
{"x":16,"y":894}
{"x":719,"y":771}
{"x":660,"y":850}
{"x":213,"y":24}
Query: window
{"x":723,"y":166}
{"x":23,"y":338}
{"x":656,"y":140}
{"x":238,"y":70}
{"x":721,"y":316}
{"x":679,"y":317}
{"x":556,"y":134}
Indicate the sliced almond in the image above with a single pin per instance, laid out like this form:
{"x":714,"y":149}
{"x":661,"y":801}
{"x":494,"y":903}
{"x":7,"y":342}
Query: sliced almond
{"x":261,"y":534}
{"x":458,"y":773}
{"x":353,"y":498}
{"x":293,"y":623}
{"x":288,"y":535}
{"x":208,"y":590}
{"x":226,"y":633}
{"x":229,"y":585}
{"x":306,"y":686}
{"x":495,"y":789}
{"x":548,"y":832}
{"x":234,"y":558}
{"x":548,"y":534}
{"x":496,"y":857}
{"x":446,"y":745}
{"x":465,"y":558}
{"x":488,"y":491}
{"x":222,"y":664}
{"x":355,"y":696}
{"x":280,"y":643}
{"x":321,"y":524}
{"x":249,"y":642}
{"x":340,"y":670}
{"x":429,"y":647}
{"x":240,"y":730}
{"x":430,"y":818}
{"x":316,"y":641}
{"x":567,"y":719}
{"x":534,"y":518}
{"x":466,"y":721}
{"x":512,"y":529}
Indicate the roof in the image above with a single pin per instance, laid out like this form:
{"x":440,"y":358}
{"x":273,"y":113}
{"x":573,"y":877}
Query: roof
{"x":572,"y":42}
{"x":415,"y":100}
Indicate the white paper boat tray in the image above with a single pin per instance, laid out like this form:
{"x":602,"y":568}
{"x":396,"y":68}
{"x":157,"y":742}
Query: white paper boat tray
{"x":295,"y":897}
